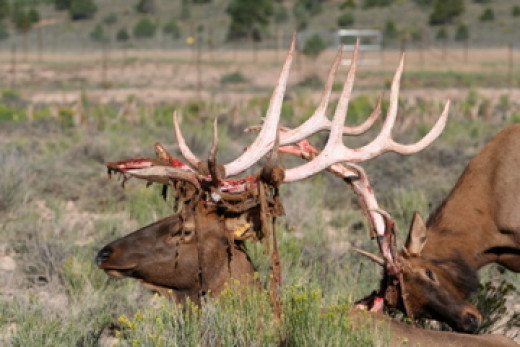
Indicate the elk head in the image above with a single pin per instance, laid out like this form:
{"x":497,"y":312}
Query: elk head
{"x":424,"y":287}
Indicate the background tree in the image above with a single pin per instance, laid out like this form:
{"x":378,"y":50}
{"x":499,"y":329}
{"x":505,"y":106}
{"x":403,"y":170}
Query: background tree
{"x":21,"y":20}
{"x":145,"y":28}
{"x":173,"y":29}
{"x":313,"y":7}
{"x":82,"y":9}
{"x":122,"y":35}
{"x":346,"y":19}
{"x":515,"y":11}
{"x":462,"y":35}
{"x":34,"y":15}
{"x":314,"y":46}
{"x":110,"y":19}
{"x":98,"y":34}
{"x":4,"y":9}
{"x":348,"y":4}
{"x":391,"y":31}
{"x":488,"y":15}
{"x":444,"y":11}
{"x":301,"y":16}
{"x":281,"y":15}
{"x":377,"y":3}
{"x":462,"y":32}
{"x":4,"y":31}
{"x":424,"y":3}
{"x":249,"y":19}
{"x":62,"y":5}
{"x":146,"y":6}
{"x":442,"y":35}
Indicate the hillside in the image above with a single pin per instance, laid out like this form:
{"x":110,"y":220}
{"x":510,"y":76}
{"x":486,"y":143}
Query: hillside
{"x":57,"y":32}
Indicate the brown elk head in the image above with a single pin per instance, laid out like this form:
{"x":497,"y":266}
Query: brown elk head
{"x":184,"y":252}
{"x":424,"y":287}
{"x":167,"y":257}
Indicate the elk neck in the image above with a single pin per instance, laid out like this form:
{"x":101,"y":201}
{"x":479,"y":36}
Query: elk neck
{"x":478,"y":217}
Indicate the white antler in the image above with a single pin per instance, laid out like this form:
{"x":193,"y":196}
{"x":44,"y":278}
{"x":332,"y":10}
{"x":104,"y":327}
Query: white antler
{"x":265,"y":139}
{"x":336,"y":152}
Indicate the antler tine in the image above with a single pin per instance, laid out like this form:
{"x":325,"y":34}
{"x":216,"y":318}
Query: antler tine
{"x":373,"y":257}
{"x":335,"y":137}
{"x":384,"y":142}
{"x":319,"y":121}
{"x":212,"y":160}
{"x":164,"y":175}
{"x":265,"y":139}
{"x":335,"y":151}
{"x":183,"y":147}
{"x":427,"y":140}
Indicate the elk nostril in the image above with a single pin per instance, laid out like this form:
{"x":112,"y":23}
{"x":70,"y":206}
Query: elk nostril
{"x":103,"y":255}
{"x":471,"y":323}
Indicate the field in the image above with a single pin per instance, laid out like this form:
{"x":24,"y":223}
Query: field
{"x":62,"y":117}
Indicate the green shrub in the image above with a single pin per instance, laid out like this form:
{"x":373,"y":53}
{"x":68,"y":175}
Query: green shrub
{"x":462,"y":32}
{"x":233,"y":78}
{"x":445,"y":11}
{"x":306,"y":323}
{"x":14,"y":180}
{"x":281,"y":14}
{"x":377,"y":3}
{"x":346,"y":19}
{"x":488,"y":15}
{"x":347,"y":4}
{"x":82,"y":9}
{"x":12,"y":98}
{"x":515,"y":11}
{"x":312,"y":81}
{"x":145,"y":6}
{"x":110,"y":19}
{"x":442,"y":34}
{"x":172,"y":28}
{"x":4,"y":31}
{"x":122,"y":35}
{"x":314,"y":46}
{"x":391,"y":31}
{"x":81,"y":276}
{"x":98,"y":34}
{"x":145,"y":28}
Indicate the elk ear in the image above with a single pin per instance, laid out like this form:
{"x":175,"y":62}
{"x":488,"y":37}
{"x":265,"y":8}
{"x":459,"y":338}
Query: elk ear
{"x":417,"y":236}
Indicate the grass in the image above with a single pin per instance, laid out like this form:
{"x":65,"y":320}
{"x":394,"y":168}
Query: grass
{"x":58,"y":209}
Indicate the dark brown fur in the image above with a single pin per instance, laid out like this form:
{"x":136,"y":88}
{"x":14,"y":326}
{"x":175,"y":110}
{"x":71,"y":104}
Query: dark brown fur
{"x":180,"y":259}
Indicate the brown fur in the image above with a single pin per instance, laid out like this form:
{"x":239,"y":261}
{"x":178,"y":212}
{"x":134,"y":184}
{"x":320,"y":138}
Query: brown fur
{"x":401,"y":334}
{"x":166,"y":257}
{"x":477,"y":224}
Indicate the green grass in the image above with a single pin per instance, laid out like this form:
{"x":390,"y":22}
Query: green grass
{"x":58,"y":209}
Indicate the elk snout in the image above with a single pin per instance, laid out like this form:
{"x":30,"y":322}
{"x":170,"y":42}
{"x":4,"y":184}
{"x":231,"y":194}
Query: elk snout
{"x":471,"y":320}
{"x":103,"y":255}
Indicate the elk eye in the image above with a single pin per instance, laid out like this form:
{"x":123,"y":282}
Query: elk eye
{"x":174,"y":233}
{"x":187,"y":232}
{"x":430,"y":275}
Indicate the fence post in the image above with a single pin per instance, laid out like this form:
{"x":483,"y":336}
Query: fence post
{"x":13,"y":66}
{"x":510,"y":64}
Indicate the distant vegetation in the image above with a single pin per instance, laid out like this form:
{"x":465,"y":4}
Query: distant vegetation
{"x":240,"y":22}
{"x":57,"y":208}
